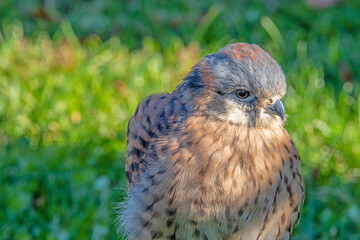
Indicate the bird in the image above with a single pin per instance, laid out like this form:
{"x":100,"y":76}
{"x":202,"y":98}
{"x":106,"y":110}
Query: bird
{"x":212,"y":160}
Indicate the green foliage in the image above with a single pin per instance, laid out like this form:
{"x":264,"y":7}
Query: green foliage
{"x":65,"y":101}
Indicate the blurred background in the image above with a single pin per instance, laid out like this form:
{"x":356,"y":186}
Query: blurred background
{"x":73,"y":72}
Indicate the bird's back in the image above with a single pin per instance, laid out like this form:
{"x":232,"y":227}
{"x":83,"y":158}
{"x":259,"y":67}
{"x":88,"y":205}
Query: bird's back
{"x":154,"y":118}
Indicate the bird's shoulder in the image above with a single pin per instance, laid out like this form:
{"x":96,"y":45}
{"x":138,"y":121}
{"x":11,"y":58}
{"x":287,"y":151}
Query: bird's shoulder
{"x":155,"y":117}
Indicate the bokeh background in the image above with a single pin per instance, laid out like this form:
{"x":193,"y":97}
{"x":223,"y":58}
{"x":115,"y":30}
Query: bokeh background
{"x":73,"y":72}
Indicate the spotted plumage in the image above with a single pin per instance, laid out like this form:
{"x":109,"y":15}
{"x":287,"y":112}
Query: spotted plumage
{"x":212,"y":160}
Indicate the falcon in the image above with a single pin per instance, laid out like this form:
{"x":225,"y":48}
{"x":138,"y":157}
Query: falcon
{"x":212,"y":160}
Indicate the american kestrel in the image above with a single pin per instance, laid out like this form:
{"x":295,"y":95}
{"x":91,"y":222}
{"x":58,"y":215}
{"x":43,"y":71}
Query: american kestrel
{"x":212,"y":160}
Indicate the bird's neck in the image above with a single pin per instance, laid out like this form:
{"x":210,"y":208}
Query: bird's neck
{"x":225,"y":147}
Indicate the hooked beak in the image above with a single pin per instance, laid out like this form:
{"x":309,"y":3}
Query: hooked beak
{"x":277,"y":108}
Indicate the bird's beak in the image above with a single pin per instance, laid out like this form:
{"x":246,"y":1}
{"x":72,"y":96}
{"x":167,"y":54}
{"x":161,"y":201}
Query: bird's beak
{"x":277,"y":108}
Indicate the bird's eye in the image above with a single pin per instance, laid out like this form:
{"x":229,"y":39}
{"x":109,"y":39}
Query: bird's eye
{"x":242,"y":93}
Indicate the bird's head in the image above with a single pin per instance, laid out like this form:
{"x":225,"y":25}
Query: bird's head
{"x":241,"y":84}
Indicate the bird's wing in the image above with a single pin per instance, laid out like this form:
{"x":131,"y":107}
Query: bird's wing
{"x":155,"y":117}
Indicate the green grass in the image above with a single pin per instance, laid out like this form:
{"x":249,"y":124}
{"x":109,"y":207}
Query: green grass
{"x":65,"y":102}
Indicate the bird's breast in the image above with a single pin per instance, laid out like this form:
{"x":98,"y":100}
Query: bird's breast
{"x":233,"y":175}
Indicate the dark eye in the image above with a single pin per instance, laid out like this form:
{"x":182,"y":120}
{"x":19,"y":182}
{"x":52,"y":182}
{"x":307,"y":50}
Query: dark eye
{"x":242,"y":93}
